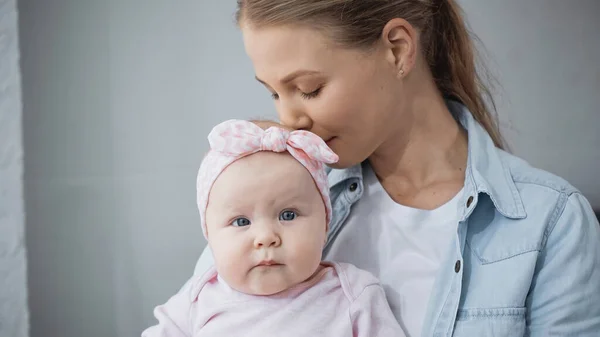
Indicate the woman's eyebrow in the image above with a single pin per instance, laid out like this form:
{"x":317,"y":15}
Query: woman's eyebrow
{"x":292,"y":76}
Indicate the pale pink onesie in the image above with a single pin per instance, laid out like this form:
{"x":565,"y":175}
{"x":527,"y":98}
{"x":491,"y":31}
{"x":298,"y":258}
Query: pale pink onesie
{"x":341,"y":300}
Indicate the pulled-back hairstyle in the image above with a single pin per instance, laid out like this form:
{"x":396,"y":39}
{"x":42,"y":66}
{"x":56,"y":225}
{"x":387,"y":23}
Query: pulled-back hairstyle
{"x":446,"y":41}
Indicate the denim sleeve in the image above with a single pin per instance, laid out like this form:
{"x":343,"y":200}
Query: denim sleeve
{"x":205,"y":261}
{"x":564,"y":299}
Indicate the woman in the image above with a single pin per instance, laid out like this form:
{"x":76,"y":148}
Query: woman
{"x":467,"y":239}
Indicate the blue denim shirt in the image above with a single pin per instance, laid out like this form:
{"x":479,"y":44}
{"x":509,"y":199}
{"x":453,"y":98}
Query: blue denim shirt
{"x":526,"y":256}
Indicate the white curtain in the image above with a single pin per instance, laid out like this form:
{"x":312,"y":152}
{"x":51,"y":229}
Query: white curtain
{"x":14,"y":317}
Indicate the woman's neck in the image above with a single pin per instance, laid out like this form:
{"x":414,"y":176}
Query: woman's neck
{"x":423,"y":163}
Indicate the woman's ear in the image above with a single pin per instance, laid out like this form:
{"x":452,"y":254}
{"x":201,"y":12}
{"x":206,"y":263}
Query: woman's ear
{"x":400,"y":42}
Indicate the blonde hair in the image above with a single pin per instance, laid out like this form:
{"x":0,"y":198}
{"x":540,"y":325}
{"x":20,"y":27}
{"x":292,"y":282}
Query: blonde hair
{"x":445,"y":39}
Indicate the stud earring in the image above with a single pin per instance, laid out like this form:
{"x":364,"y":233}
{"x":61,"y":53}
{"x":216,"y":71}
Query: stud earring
{"x":401,"y":72}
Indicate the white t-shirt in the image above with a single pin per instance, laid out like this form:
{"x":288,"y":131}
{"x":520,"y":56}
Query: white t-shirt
{"x":404,"y":247}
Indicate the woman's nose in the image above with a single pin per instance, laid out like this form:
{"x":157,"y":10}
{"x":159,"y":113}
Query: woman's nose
{"x":266,"y":237}
{"x":293,"y":117}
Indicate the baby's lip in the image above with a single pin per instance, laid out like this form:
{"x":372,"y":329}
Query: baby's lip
{"x":268,"y":263}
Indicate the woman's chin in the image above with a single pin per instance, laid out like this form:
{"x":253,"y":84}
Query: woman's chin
{"x":347,"y":154}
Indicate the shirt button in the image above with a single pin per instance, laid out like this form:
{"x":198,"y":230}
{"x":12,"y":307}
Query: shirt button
{"x":469,"y":201}
{"x":353,"y":187}
{"x":457,"y":266}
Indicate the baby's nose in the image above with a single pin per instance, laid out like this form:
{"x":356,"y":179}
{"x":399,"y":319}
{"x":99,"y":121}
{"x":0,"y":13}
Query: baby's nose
{"x":267,"y":238}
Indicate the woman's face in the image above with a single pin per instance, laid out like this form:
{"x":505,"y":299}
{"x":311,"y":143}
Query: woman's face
{"x":350,"y":98}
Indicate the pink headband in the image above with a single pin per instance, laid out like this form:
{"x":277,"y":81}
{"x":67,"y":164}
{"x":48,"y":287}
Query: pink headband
{"x":235,"y":139}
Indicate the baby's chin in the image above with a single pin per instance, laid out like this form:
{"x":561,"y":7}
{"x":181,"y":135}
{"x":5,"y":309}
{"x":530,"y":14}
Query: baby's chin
{"x":266,"y":285}
{"x":268,"y":290}
{"x":276,"y":281}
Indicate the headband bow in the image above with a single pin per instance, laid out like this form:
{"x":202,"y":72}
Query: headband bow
{"x":241,"y":138}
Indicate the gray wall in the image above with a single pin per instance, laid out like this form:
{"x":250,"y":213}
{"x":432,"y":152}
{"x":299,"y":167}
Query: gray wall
{"x":546,"y":54}
{"x":119,"y":96}
{"x":14,"y":318}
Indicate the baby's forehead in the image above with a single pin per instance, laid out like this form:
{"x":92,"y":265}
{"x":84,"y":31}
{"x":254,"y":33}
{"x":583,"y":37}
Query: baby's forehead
{"x":265,"y":175}
{"x":267,"y":167}
{"x":270,"y":163}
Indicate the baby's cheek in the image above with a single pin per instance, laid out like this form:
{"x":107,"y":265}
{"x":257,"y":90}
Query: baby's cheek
{"x":230,"y":262}
{"x":308,"y":254}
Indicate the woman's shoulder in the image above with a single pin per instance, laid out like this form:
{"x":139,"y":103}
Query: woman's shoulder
{"x":548,"y":204}
{"x":527,"y":176}
{"x":542,"y":193}
{"x":551,"y":246}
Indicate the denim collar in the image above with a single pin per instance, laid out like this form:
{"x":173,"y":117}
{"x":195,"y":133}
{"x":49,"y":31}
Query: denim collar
{"x":486,"y":171}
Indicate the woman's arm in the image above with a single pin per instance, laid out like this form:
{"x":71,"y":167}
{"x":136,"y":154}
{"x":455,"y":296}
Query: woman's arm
{"x":565,"y":295}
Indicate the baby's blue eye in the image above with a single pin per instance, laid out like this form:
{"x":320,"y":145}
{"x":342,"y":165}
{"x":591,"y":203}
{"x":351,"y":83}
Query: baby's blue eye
{"x":240,"y":222}
{"x":287,"y":216}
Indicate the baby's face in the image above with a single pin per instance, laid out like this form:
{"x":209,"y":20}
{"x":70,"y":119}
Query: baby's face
{"x":266,"y":223}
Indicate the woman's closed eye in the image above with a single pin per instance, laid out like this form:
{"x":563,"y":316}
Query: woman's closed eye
{"x":311,"y":94}
{"x":305,"y":95}
{"x":240,"y":222}
{"x":287,"y":215}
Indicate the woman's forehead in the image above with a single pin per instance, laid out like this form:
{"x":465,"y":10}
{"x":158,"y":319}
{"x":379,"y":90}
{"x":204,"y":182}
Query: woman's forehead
{"x":277,"y":52}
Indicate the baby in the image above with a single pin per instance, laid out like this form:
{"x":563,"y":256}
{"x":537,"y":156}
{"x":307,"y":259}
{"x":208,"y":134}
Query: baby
{"x":264,"y":209}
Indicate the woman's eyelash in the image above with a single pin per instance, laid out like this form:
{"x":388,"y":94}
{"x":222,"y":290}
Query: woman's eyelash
{"x":305,"y":95}
{"x":312,"y":94}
